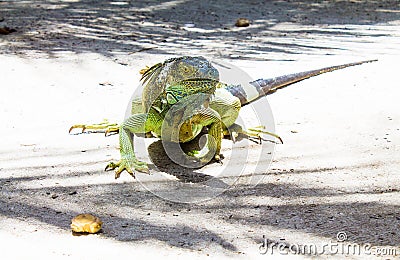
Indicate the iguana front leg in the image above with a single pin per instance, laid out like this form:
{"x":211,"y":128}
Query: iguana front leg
{"x":211,"y":119}
{"x":106,"y":126}
{"x":190,"y":125}
{"x":135,"y":124}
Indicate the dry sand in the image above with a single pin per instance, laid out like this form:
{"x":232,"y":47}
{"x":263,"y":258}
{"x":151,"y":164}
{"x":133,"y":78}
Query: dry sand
{"x":77,"y":61}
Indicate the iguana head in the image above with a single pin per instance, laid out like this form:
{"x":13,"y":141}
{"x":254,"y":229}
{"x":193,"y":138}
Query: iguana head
{"x":182,"y":68}
{"x":171,"y":71}
{"x":191,"y":67}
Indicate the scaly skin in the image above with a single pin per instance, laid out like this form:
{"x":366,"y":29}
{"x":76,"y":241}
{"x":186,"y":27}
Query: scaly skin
{"x":178,"y":97}
{"x":167,"y":91}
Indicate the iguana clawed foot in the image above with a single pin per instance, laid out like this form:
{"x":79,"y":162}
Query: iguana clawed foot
{"x":129,"y":165}
{"x":105,"y":126}
{"x":256,"y":132}
{"x":235,"y":131}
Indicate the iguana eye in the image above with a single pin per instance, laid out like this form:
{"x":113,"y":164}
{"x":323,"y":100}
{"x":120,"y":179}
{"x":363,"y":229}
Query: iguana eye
{"x":187,"y":69}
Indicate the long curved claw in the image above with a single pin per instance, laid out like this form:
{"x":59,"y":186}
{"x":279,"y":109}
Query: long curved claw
{"x":129,"y":166}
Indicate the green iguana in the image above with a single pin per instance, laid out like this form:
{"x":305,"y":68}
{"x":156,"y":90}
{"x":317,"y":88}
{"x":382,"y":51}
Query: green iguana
{"x":185,"y":94}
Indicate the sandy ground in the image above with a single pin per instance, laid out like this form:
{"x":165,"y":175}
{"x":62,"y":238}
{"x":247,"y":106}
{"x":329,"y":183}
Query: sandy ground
{"x":78,"y":61}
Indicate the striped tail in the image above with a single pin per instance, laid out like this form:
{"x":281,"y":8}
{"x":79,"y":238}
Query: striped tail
{"x":268,"y":86}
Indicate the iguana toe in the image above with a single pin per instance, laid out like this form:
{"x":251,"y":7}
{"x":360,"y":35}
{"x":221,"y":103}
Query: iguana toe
{"x":111,"y":166}
{"x":77,"y":126}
